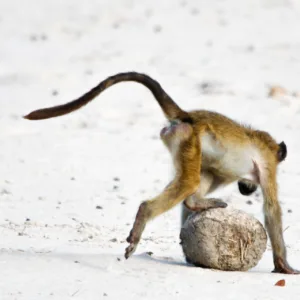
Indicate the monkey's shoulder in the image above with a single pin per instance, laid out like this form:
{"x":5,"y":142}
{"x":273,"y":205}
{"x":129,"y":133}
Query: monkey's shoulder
{"x":224,"y":129}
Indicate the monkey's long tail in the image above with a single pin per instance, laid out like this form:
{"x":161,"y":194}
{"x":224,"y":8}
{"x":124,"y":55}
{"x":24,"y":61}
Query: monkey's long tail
{"x":171,"y":110}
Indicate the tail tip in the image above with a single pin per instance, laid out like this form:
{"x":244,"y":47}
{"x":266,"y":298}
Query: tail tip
{"x":33,"y":116}
{"x":28,"y":117}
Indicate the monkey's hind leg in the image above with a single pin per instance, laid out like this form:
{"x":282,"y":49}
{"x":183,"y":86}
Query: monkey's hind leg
{"x":185,"y":183}
{"x":178,"y":190}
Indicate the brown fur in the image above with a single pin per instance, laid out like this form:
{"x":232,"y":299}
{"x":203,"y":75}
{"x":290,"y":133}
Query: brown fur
{"x":197,"y":173}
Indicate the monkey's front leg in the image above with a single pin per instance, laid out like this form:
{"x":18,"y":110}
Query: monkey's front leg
{"x":174,"y":193}
{"x":273,"y":222}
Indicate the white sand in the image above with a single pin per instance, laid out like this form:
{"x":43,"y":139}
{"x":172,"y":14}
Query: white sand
{"x":56,"y":172}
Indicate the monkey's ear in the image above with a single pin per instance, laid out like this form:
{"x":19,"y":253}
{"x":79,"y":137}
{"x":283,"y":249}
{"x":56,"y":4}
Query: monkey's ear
{"x":282,"y":152}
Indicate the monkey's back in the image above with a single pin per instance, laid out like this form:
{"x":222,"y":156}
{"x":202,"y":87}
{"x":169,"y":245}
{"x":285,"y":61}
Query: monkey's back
{"x":220,"y":126}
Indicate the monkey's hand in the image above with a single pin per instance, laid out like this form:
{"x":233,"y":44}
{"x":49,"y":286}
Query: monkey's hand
{"x":282,"y":266}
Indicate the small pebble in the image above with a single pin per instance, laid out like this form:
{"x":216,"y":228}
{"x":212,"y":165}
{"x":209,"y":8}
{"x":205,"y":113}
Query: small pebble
{"x":5,"y":192}
{"x":296,"y":94}
{"x":44,"y":37}
{"x":157,"y":28}
{"x":277,"y":91}
{"x":89,"y":72}
{"x":194,"y":11}
{"x":54,"y":93}
{"x":33,"y":38}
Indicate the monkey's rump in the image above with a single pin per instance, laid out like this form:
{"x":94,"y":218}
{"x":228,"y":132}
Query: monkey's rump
{"x":224,"y":239}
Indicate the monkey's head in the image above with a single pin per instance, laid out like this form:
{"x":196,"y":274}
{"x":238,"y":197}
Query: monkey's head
{"x":280,"y":150}
{"x":175,"y":133}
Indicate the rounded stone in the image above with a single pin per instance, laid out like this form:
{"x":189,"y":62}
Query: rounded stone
{"x":224,"y":239}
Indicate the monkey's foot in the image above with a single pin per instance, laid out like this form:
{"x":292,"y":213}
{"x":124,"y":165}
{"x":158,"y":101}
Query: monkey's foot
{"x":133,"y":240}
{"x":217,"y":203}
{"x":130,"y":250}
{"x":284,"y":268}
{"x":204,"y":204}
{"x":137,"y":230}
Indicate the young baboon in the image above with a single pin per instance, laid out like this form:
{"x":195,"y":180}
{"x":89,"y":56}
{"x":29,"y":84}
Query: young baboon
{"x":208,"y":150}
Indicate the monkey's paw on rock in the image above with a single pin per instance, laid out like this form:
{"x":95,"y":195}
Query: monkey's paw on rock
{"x":224,"y":239}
